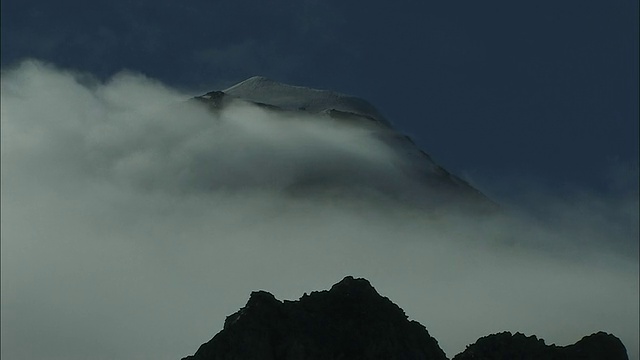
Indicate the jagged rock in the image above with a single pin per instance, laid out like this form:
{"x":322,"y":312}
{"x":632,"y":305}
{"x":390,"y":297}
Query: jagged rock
{"x":505,"y":346}
{"x":350,"y":321}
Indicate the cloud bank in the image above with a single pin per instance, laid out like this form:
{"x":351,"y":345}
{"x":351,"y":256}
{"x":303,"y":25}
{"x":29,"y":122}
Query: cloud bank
{"x":133,"y":222}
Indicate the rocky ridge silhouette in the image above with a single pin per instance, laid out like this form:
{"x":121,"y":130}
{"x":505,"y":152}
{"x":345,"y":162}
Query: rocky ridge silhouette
{"x":353,"y":321}
{"x":507,"y":346}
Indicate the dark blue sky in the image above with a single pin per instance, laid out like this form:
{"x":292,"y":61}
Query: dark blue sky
{"x":496,"y":91}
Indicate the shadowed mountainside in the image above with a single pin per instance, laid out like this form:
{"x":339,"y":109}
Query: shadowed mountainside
{"x":353,"y":321}
{"x":507,"y":346}
{"x":350,"y":321}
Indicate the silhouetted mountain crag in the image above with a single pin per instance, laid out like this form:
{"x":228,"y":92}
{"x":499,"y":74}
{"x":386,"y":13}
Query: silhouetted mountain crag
{"x":350,"y":321}
{"x":505,"y":346}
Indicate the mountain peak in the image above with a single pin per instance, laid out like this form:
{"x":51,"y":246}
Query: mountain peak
{"x":254,"y":81}
{"x":350,"y":321}
{"x":352,"y":289}
{"x":353,"y":321}
{"x":262,"y":90}
{"x":506,"y":345}
{"x":416,"y":179}
{"x":349,"y":283}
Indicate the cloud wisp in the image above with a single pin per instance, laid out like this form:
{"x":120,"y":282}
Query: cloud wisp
{"x":133,"y":222}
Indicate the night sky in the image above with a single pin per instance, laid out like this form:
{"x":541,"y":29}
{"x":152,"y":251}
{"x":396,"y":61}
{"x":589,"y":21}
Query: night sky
{"x":131,"y":228}
{"x":501,"y":93}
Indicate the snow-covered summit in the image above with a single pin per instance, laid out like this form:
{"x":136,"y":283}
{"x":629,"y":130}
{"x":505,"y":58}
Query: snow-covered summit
{"x":412,"y":175}
{"x":260,"y":89}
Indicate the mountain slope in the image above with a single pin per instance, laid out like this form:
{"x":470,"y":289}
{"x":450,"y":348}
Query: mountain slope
{"x":416,"y":178}
{"x":353,"y":321}
{"x":350,"y":321}
{"x":262,"y":90}
{"x":507,"y":346}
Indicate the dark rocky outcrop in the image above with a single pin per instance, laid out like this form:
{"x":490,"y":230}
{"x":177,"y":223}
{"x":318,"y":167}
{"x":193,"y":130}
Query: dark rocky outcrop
{"x":507,"y":346}
{"x":350,"y":321}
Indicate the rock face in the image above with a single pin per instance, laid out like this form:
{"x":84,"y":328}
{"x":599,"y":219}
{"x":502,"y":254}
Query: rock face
{"x":507,"y":346}
{"x":350,"y":321}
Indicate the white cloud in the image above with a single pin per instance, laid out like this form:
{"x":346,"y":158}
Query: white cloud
{"x":133,"y":223}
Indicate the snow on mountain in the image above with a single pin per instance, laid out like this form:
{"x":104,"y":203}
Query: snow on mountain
{"x":427,"y":179}
{"x":288,"y":97}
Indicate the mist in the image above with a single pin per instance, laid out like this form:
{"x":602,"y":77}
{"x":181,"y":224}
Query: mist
{"x":134,"y":222}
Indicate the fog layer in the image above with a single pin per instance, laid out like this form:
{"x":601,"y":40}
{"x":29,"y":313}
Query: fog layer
{"x":133,"y":222}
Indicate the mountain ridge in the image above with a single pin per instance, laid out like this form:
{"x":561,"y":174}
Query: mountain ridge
{"x":439,"y":186}
{"x":352,"y":320}
{"x":349,"y":321}
{"x":260,"y":89}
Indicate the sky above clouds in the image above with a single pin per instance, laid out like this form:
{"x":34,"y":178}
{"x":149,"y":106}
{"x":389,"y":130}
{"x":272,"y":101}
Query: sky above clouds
{"x":116,"y":245}
{"x":494,"y":91}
